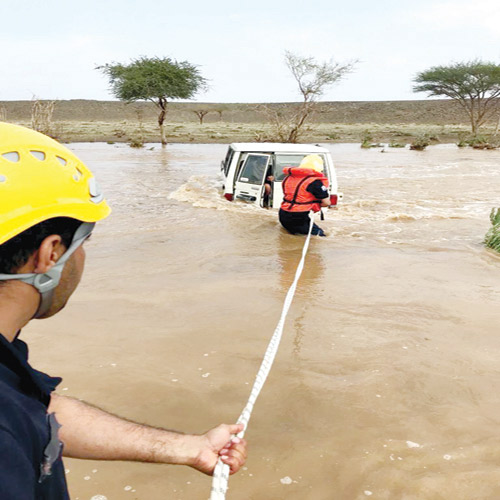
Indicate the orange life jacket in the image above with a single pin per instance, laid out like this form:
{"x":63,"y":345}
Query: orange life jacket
{"x":296,"y":198}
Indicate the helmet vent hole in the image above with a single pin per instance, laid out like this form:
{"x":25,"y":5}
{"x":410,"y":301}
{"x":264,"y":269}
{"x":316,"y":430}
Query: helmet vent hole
{"x":13,"y":156}
{"x":77,"y":175}
{"x":39,"y":155}
{"x":2,"y":178}
{"x":62,"y":161}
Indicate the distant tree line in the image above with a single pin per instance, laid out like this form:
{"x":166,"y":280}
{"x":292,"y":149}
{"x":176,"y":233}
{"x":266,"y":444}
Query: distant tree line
{"x":475,"y":85}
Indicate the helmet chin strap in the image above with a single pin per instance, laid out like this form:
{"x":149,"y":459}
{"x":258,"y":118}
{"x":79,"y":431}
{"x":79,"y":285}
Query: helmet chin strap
{"x":47,"y":282}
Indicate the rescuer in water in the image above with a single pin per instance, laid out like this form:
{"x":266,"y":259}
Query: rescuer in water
{"x":305,"y":188}
{"x":50,"y":202}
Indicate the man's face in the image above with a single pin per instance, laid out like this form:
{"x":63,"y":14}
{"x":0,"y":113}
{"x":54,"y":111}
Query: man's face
{"x":71,"y":276}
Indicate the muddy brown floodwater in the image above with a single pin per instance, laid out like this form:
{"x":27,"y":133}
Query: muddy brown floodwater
{"x":387,"y":382}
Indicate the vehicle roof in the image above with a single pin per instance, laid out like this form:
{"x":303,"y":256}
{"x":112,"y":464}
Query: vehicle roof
{"x":279,"y":147}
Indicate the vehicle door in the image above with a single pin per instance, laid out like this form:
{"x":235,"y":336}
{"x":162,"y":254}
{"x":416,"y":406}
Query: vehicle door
{"x":226,"y":162}
{"x":249,"y":185}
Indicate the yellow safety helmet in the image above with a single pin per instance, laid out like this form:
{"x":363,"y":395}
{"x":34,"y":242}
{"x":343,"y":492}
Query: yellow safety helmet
{"x":313,"y":162}
{"x":41,"y":179}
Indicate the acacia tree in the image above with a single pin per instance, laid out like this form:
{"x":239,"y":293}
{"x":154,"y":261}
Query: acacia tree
{"x":154,"y":79}
{"x":475,"y":85}
{"x":201,"y":113}
{"x":220,"y":108}
{"x":313,"y":79}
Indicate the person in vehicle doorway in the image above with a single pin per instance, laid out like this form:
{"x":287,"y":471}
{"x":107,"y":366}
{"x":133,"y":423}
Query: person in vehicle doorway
{"x":305,"y":188}
{"x":268,"y":187}
{"x":50,"y":203}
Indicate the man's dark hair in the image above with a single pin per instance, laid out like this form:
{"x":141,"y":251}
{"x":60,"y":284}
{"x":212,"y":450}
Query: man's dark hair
{"x":16,"y":252}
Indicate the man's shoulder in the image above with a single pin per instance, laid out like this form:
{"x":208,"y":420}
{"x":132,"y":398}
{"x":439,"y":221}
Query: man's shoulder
{"x":318,"y":188}
{"x":318,"y":182}
{"x":17,"y":373}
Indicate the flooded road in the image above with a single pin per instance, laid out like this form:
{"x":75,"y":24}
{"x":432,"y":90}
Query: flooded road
{"x":387,"y":382}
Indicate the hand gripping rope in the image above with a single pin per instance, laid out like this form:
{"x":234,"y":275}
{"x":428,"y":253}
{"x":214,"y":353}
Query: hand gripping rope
{"x":221,"y":472}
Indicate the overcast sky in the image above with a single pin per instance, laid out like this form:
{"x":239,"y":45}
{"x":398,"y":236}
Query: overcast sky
{"x":50,"y":48}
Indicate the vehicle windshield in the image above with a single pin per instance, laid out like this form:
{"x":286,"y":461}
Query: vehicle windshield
{"x":254,"y":169}
{"x":288,"y":160}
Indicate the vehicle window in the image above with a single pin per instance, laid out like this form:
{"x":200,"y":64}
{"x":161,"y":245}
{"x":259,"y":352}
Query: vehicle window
{"x":284,"y":160}
{"x":254,"y":169}
{"x":228,"y":159}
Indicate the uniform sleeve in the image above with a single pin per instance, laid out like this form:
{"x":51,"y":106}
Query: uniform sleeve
{"x":318,"y":189}
{"x":17,"y":477}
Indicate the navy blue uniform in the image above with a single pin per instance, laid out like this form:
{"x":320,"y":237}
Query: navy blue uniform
{"x":31,"y":467}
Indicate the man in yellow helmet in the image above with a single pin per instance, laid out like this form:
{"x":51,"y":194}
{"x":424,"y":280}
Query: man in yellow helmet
{"x":49,"y":204}
{"x":305,"y":188}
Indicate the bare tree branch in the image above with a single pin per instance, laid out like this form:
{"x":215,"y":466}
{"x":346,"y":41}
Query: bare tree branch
{"x":313,"y":79}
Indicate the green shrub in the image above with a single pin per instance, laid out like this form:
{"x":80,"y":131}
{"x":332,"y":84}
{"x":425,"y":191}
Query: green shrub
{"x":397,"y":145}
{"x":483,"y":142}
{"x":477,"y":142}
{"x":420,"y":143}
{"x":492,"y":238}
{"x":136,"y":142}
{"x":366,"y":139}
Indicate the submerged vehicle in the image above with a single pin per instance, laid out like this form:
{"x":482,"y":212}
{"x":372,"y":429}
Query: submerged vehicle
{"x":247,"y":168}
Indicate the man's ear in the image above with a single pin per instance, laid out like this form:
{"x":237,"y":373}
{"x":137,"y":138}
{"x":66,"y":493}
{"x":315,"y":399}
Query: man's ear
{"x":50,"y":251}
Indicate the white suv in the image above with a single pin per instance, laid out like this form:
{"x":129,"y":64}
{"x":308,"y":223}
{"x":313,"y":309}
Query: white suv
{"x":247,"y":165}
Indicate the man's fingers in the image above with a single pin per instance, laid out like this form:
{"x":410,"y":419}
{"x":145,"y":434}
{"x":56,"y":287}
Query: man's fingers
{"x":240,"y":449}
{"x":235,"y":463}
{"x":235,"y":428}
{"x":235,"y":455}
{"x":240,"y":457}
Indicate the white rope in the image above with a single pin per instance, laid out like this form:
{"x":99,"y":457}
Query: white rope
{"x":221,"y":472}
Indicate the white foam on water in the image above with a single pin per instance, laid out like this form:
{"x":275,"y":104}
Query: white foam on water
{"x":412,"y":444}
{"x":202,"y":191}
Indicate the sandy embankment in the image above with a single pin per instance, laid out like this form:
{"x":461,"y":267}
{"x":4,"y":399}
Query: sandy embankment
{"x":113,"y":121}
